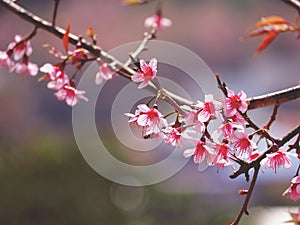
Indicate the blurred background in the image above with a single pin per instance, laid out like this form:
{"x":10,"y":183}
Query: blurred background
{"x":44,"y":178}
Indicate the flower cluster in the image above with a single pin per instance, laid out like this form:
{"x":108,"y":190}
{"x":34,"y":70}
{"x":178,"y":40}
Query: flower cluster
{"x":59,"y":81}
{"x":230,"y":141}
{"x":16,"y":57}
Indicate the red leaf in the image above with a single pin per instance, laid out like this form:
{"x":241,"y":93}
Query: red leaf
{"x":266,"y":41}
{"x":66,"y":38}
{"x":90,"y":32}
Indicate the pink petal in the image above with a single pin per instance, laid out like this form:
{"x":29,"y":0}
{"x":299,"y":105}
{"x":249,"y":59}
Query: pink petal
{"x":143,"y":84}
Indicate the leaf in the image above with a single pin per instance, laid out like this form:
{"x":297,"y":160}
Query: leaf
{"x":90,"y":32}
{"x":270,"y":20}
{"x":66,"y":38}
{"x":136,"y":2}
{"x":266,"y":41}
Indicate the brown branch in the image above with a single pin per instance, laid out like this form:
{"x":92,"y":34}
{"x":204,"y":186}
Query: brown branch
{"x":289,"y":136}
{"x":142,"y":46}
{"x":274,"y":98}
{"x":256,"y":102}
{"x":294,"y":3}
{"x":273,"y":116}
{"x":244,"y":209}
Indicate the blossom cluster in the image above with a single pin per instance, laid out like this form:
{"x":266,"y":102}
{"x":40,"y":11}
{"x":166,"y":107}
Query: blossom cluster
{"x":16,"y":57}
{"x":230,"y":141}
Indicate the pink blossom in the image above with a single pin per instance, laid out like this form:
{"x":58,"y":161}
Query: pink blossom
{"x":70,"y":95}
{"x":294,"y":189}
{"x":151,"y":120}
{"x":243,"y":144}
{"x":58,"y":78}
{"x":158,"y":21}
{"x":226,"y":129}
{"x":78,"y":57}
{"x":146,"y":74}
{"x":208,"y":109}
{"x":200,"y":152}
{"x":173,"y":136}
{"x":235,"y":102}
{"x":238,"y":119}
{"x":25,"y":68}
{"x":277,"y":159}
{"x":222,"y":151}
{"x":20,"y":48}
{"x":191,"y":119}
{"x":5,"y":60}
{"x":104,"y":73}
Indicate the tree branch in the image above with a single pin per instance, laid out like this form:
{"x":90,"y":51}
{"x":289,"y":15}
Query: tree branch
{"x":294,"y":3}
{"x":255,"y":102}
{"x":244,"y":209}
{"x":274,"y":98}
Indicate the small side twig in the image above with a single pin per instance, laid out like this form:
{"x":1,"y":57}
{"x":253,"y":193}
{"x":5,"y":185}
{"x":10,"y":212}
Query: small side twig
{"x":244,"y":209}
{"x":55,"y":12}
{"x":273,"y":116}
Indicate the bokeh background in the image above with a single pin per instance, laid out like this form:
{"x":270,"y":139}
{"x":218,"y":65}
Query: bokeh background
{"x":45,"y":180}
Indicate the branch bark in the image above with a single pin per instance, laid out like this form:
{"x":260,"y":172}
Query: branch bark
{"x":255,"y":102}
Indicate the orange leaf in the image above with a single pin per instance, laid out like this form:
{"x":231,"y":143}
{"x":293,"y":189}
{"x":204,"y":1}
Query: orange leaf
{"x":90,"y":32}
{"x":270,"y":20}
{"x":266,"y":41}
{"x":132,"y":2}
{"x":66,"y":38}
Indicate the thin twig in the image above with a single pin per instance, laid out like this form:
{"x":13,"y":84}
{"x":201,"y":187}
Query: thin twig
{"x":142,"y":45}
{"x":55,"y":12}
{"x":273,"y":116}
{"x":244,"y":209}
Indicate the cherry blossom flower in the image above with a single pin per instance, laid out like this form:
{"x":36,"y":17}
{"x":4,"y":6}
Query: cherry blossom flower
{"x":200,"y":152}
{"x":151,"y":120}
{"x":58,"y":78}
{"x":158,"y":21}
{"x":294,"y":189}
{"x":5,"y":60}
{"x":243,"y":144}
{"x":235,"y":102}
{"x":20,"y":48}
{"x":70,"y":94}
{"x":173,"y":136}
{"x":146,"y":74}
{"x":226,"y":129}
{"x":238,"y":119}
{"x":104,"y":73}
{"x":277,"y":159}
{"x":222,"y":151}
{"x":78,"y":57}
{"x":208,"y":109}
{"x":191,"y":119}
{"x":25,"y":68}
